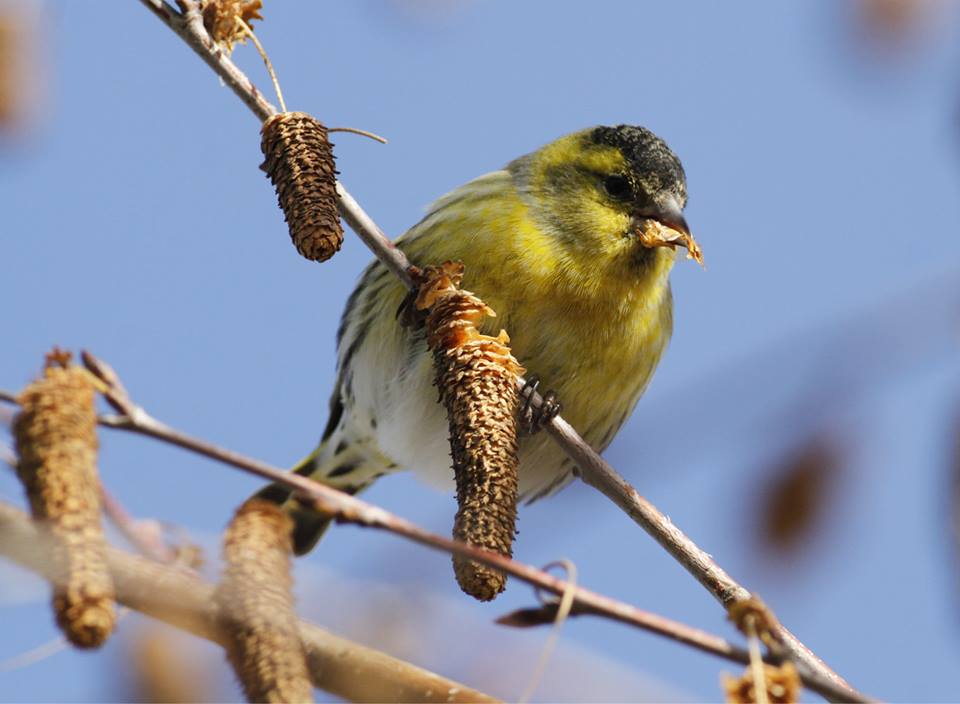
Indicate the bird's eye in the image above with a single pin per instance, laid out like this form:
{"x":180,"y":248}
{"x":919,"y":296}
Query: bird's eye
{"x":618,"y":186}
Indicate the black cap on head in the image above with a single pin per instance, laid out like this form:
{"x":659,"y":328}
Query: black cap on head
{"x":649,"y":157}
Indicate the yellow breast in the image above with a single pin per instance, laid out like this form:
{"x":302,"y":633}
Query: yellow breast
{"x":593,"y":331}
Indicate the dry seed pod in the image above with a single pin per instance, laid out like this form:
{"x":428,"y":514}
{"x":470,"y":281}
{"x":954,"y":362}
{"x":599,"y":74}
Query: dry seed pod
{"x":476,"y":375}
{"x":782,"y":685}
{"x":222,"y":19}
{"x":298,"y":158}
{"x":56,"y":440}
{"x":255,"y":603}
{"x":655,"y":234}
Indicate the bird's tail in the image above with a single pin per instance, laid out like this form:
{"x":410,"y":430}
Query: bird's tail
{"x":341,"y":470}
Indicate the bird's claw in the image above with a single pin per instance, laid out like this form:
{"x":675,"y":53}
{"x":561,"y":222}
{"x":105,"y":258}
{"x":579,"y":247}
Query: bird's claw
{"x":531,"y":418}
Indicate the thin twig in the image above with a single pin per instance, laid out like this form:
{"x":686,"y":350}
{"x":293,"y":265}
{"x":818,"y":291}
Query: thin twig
{"x":348,"y":509}
{"x":8,"y":456}
{"x":146,"y":542}
{"x":363,"y":133}
{"x":592,"y":468}
{"x":34,"y":655}
{"x":189,"y":27}
{"x":245,"y":28}
{"x":6,"y":416}
{"x":344,"y":668}
{"x":756,"y":666}
{"x":564,"y":606}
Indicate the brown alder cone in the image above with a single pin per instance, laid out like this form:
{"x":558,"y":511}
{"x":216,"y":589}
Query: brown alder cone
{"x":56,"y":440}
{"x":476,"y":375}
{"x":255,"y":602}
{"x":782,"y":685}
{"x":298,"y":158}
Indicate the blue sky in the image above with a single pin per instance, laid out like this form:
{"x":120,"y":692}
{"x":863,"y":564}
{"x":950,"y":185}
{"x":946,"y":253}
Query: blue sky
{"x":823,"y":178}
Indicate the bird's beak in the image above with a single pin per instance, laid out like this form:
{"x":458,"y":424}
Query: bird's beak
{"x":668,"y":214}
{"x":664,"y":226}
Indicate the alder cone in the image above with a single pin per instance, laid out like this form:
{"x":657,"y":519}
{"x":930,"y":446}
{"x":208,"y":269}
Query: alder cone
{"x":298,"y":158}
{"x":476,"y":375}
{"x":480,"y":404}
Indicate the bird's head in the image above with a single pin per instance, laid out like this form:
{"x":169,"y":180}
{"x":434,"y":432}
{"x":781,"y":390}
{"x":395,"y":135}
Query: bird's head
{"x":596,"y":190}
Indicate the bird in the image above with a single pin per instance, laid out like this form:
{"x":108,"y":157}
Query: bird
{"x":550,"y":242}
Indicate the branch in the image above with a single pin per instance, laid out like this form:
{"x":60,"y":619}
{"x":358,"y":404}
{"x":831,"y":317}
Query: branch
{"x":189,"y":27}
{"x":348,"y":509}
{"x":7,"y":456}
{"x":592,"y":468}
{"x":337,"y":665}
{"x":147,"y":542}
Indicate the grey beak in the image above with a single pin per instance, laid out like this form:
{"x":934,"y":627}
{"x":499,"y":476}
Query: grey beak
{"x":668,"y":213}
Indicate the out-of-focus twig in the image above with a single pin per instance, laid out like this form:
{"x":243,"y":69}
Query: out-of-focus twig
{"x":344,"y":668}
{"x":564,"y":604}
{"x":146,"y":542}
{"x":592,"y":468}
{"x":8,"y":456}
{"x":35,"y":655}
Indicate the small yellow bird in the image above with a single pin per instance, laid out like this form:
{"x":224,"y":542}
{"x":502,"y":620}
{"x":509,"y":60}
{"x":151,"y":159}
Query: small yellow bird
{"x":550,"y":243}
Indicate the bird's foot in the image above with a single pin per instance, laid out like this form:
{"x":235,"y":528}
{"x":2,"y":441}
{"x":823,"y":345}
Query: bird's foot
{"x":532,"y":418}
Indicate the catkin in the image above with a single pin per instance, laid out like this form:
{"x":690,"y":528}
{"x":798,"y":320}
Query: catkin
{"x":255,"y":602}
{"x":476,"y":375}
{"x":55,"y":435}
{"x":298,"y":158}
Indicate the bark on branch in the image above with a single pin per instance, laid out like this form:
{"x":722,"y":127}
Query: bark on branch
{"x":337,"y":665}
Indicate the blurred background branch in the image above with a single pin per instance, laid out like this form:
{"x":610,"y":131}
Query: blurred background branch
{"x":169,"y":594}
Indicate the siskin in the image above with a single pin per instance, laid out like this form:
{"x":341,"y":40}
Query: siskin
{"x":553,"y":243}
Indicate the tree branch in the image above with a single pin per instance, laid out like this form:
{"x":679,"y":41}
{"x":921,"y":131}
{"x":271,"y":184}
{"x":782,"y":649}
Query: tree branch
{"x":592,"y":468}
{"x":189,"y":27}
{"x":337,"y":665}
{"x":147,"y":543}
{"x":348,"y":509}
